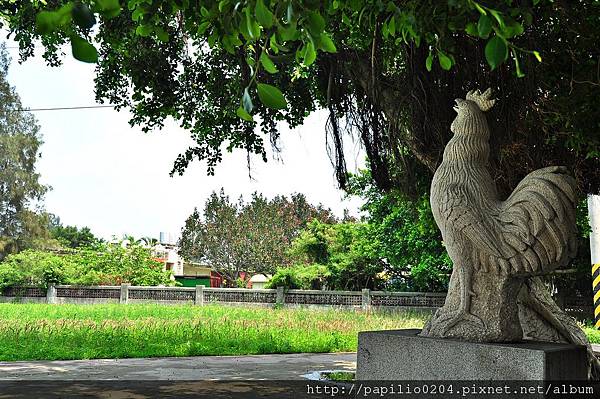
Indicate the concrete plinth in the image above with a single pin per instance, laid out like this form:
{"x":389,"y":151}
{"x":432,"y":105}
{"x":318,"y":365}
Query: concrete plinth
{"x":403,"y":355}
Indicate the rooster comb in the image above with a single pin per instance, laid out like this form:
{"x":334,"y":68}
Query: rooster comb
{"x":483,"y":100}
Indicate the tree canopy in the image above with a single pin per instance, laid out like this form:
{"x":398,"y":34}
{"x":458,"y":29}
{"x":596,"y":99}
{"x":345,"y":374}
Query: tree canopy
{"x":386,"y":71}
{"x":250,"y":237}
{"x":72,"y":236}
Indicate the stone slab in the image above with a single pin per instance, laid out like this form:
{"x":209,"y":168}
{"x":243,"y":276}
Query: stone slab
{"x":404,"y":355}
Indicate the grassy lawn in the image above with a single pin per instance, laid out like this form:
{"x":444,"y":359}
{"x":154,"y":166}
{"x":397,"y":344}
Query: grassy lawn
{"x":52,"y":332}
{"x":592,"y":333}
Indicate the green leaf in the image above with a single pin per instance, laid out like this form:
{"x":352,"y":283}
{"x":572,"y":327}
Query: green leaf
{"x":271,"y":96}
{"x":479,"y":8}
{"x":512,"y":30}
{"x":484,"y":26}
{"x":203,"y":27}
{"x":290,"y":13}
{"x":445,"y":61}
{"x":384,"y":30}
{"x":273,"y":44}
{"x":251,"y":25}
{"x":46,"y":22}
{"x":144,"y":30}
{"x":226,"y":42}
{"x":247,"y":101}
{"x":520,"y":73}
{"x":83,"y":50}
{"x":83,"y":16}
{"x":316,"y":23}
{"x":241,"y":112}
{"x":471,"y":29}
{"x":109,"y":8}
{"x":263,"y":15}
{"x":49,"y":21}
{"x":537,"y":56}
{"x":288,"y":32}
{"x":392,"y":26}
{"x":309,"y":53}
{"x":327,"y":44}
{"x":496,"y":51}
{"x":162,"y":35}
{"x":138,"y":14}
{"x":429,"y":61}
{"x":498,"y":17}
{"x":204,"y":12}
{"x":345,"y":19}
{"x":267,"y":63}
{"x":222,"y":5}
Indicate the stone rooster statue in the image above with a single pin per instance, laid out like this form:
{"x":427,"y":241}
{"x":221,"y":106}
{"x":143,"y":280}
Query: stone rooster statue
{"x":499,"y":247}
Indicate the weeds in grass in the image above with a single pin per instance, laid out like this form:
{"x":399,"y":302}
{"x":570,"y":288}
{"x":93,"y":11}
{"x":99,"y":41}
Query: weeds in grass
{"x":52,"y":332}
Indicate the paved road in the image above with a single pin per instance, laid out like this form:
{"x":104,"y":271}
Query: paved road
{"x":259,"y":367}
{"x":214,"y":377}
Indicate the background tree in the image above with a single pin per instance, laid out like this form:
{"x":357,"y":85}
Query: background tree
{"x":344,"y":255}
{"x":71,"y":236}
{"x":407,"y":237}
{"x":250,"y":237}
{"x":22,"y":220}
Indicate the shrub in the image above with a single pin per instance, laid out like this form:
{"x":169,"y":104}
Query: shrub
{"x":33,"y":267}
{"x":306,"y":277}
{"x":106,"y":264}
{"x":347,"y":251}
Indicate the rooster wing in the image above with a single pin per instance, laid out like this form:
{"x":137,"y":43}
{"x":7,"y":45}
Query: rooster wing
{"x":530,"y":233}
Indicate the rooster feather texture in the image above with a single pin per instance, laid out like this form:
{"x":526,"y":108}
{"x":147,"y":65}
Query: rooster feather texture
{"x":499,"y":247}
{"x":494,"y":245}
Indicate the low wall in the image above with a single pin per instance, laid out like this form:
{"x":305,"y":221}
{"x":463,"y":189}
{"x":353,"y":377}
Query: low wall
{"x":200,"y":295}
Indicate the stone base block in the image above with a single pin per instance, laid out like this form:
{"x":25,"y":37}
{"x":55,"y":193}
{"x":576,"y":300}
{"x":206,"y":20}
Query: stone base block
{"x":404,"y":355}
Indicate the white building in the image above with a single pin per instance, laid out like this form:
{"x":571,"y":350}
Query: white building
{"x":167,"y":254}
{"x":258,"y":281}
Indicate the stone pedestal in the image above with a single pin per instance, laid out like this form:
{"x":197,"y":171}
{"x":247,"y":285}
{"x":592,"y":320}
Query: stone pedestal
{"x":404,"y":355}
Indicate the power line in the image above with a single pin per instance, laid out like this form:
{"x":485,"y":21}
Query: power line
{"x":63,"y":108}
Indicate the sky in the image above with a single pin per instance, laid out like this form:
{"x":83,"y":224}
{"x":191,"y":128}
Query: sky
{"x":114,"y":179}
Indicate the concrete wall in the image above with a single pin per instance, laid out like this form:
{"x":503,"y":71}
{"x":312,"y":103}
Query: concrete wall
{"x":310,"y":299}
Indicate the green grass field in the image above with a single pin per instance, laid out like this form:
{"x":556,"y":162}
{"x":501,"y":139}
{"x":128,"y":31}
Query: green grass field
{"x":51,"y":332}
{"x":38,"y":331}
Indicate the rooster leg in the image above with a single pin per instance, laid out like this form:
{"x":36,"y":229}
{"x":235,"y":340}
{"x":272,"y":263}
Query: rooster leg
{"x":464,"y":308}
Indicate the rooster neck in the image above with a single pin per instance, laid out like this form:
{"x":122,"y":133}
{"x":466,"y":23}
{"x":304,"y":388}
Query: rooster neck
{"x":470,"y":143}
{"x":467,"y":155}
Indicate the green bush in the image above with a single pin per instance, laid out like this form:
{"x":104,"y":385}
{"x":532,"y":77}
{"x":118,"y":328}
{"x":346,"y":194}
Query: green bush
{"x":305,"y":277}
{"x":33,"y":267}
{"x":343,"y":255}
{"x":106,"y":264}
